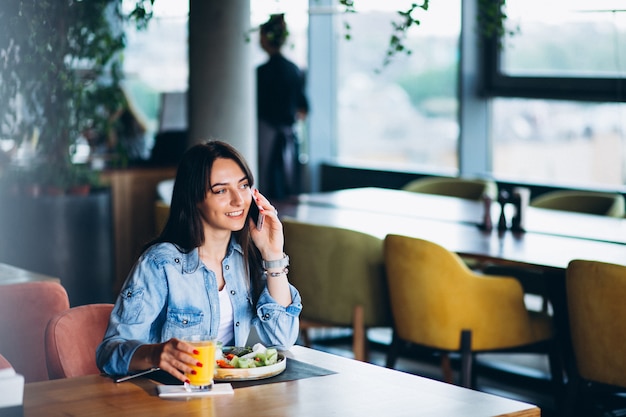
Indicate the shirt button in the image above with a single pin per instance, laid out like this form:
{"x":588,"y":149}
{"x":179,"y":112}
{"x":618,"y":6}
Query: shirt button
{"x":266,"y":316}
{"x":227,"y":267}
{"x":177,"y":260}
{"x":129,"y":294}
{"x":237,"y":324}
{"x":232,"y":292}
{"x":185,"y":321}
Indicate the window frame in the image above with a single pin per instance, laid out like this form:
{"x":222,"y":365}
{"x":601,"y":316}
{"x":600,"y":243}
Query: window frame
{"x":498,"y":84}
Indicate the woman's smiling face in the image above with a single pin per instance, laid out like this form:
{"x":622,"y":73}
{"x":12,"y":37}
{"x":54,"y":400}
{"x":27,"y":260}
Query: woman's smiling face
{"x":228,"y":199}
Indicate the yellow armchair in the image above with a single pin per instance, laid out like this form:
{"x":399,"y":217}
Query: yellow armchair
{"x":597,"y":315}
{"x":439,"y":303}
{"x":468,"y":188}
{"x":590,"y":202}
{"x":340,"y":276}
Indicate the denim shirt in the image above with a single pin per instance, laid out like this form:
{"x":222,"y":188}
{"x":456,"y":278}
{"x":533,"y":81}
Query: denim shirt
{"x":172,"y":294}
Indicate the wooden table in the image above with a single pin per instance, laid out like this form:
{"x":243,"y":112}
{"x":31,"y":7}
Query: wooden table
{"x":356,"y":389}
{"x":539,"y":250}
{"x":458,"y":210}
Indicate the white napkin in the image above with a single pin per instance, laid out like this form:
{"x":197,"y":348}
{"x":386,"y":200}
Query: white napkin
{"x":171,"y":391}
{"x":11,"y":388}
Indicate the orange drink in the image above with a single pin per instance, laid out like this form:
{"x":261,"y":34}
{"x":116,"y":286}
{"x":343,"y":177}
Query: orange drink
{"x":203,"y":378}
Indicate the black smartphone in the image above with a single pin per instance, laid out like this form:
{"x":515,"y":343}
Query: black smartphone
{"x":256,"y":215}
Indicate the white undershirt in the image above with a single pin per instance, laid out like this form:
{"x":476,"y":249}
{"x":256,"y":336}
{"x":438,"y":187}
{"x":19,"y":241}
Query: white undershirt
{"x":225,"y":332}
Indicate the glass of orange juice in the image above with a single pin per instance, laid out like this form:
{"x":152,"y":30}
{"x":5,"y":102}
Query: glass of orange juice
{"x":202,"y":380}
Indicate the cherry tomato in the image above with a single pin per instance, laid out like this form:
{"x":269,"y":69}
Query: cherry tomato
{"x":223,"y":363}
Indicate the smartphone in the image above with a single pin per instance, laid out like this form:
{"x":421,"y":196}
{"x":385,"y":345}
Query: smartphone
{"x":256,"y":215}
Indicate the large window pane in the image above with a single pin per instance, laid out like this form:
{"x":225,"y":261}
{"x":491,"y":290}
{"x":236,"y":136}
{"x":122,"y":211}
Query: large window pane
{"x":405,"y":115}
{"x":156,"y":66}
{"x":564,"y":143}
{"x":565,"y":38}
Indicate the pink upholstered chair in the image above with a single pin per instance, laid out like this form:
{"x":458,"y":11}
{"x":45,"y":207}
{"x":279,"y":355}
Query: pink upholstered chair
{"x":4,"y":363}
{"x":25,"y":310}
{"x":71,"y":340}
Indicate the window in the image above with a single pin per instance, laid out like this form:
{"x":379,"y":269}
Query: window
{"x":156,"y":66}
{"x":567,"y":143}
{"x":558,"y":88}
{"x":403,"y":115}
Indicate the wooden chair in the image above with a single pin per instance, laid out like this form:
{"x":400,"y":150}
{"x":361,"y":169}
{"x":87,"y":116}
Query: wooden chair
{"x":161,"y":213}
{"x":25,"y":310}
{"x":71,"y":340}
{"x":340,"y":276}
{"x":595,"y":297}
{"x":590,"y":202}
{"x":162,"y":204}
{"x":471,"y":189}
{"x":438,"y":303}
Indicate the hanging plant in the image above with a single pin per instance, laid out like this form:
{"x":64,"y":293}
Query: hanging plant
{"x":491,"y":21}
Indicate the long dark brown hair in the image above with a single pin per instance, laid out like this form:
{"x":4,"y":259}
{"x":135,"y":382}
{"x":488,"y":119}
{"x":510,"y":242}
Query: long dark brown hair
{"x":193,"y":180}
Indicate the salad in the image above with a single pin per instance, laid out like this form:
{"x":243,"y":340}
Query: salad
{"x":246,"y":357}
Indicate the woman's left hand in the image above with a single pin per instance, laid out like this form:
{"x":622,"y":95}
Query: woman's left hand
{"x":269,"y":239}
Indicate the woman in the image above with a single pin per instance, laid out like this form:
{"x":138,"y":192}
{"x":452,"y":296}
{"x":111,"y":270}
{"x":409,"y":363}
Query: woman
{"x":280,"y":103}
{"x":210,"y":272}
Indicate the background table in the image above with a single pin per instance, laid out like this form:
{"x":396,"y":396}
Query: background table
{"x":356,"y":389}
{"x":540,"y":250}
{"x":459,"y":210}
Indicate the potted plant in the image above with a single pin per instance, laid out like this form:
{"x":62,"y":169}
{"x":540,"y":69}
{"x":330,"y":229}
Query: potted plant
{"x":60,"y":73}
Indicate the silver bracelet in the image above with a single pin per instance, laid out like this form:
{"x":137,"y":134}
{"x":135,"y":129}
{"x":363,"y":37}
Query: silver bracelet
{"x":285,"y":271}
{"x":280,"y":263}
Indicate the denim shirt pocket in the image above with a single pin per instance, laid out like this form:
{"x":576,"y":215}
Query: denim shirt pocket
{"x":131,"y":305}
{"x":183,"y":322}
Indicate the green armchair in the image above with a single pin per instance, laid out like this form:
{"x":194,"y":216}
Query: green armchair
{"x":340,"y":276}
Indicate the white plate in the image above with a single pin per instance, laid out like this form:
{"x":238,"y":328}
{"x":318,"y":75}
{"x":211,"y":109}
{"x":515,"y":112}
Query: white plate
{"x":248,"y":374}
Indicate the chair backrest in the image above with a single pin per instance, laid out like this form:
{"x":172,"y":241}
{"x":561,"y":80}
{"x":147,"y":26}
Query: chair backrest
{"x":434,"y":296}
{"x":471,"y":189}
{"x":25,"y":310}
{"x":335,"y":270}
{"x":595,"y":299}
{"x":590,"y":202}
{"x":161,"y":214}
{"x":4,"y":363}
{"x":72,"y":338}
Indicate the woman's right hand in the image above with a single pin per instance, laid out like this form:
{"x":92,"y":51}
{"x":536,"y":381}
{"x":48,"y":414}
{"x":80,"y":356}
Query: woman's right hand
{"x":173,"y":356}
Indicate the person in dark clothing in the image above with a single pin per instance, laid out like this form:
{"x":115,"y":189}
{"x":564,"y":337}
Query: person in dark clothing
{"x":280,"y":102}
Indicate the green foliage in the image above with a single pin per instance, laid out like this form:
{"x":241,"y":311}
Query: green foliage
{"x":491,"y":19}
{"x":60,"y":66}
{"x":406,"y":21}
{"x":440,"y":83}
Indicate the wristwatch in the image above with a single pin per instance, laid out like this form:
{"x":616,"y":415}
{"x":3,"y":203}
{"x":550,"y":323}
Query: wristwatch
{"x":280,"y":263}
